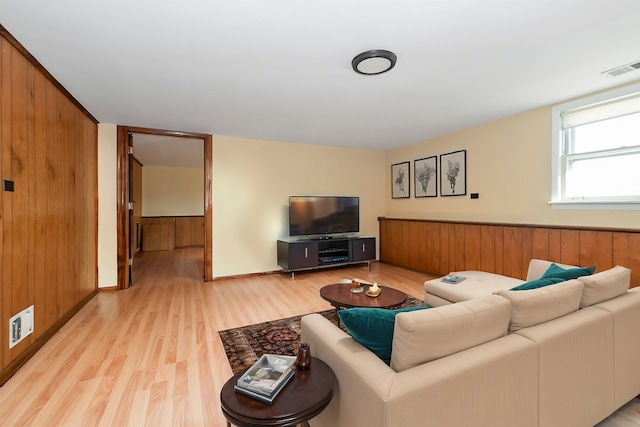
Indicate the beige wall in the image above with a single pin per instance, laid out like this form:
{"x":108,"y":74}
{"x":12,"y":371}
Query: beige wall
{"x":107,"y":201}
{"x":509,"y":165}
{"x":170,"y":191}
{"x":253,"y":180}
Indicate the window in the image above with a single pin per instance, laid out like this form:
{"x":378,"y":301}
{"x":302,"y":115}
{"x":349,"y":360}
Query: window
{"x":596,"y":151}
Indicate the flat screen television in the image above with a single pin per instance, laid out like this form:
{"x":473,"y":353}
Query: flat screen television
{"x":323,"y":215}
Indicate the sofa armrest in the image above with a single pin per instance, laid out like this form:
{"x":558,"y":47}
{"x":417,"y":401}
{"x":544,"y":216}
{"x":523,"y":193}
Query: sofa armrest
{"x":363,"y":379}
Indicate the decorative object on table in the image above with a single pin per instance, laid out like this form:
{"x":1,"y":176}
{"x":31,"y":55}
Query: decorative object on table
{"x":303,"y":359}
{"x":400,"y":183}
{"x":265,"y":378}
{"x":374,"y":290}
{"x":452,"y":279}
{"x":453,"y":173}
{"x":356,"y":286}
{"x":425,"y":172}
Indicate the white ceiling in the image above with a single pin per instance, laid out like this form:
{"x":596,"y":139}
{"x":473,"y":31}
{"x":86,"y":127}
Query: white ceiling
{"x":281,"y":69}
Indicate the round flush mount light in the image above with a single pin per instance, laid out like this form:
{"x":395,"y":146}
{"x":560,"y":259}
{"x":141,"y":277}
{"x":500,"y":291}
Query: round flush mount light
{"x":374,"y":62}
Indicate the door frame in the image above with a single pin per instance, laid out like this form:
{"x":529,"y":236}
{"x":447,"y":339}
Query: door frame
{"x":122,"y":209}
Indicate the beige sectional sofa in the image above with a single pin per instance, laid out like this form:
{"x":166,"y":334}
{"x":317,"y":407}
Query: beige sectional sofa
{"x":517,"y":358}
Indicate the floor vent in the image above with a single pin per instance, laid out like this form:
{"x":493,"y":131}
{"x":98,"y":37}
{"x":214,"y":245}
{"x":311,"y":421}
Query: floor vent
{"x":622,"y":70}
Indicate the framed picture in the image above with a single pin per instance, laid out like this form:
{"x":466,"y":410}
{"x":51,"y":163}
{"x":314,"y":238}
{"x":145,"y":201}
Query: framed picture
{"x":453,"y":173}
{"x":400,"y":184}
{"x":425,"y":172}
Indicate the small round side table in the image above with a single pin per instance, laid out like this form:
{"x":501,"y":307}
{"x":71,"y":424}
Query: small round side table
{"x":306,"y":394}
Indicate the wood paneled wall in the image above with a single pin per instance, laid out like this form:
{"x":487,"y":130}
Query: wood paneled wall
{"x":48,"y":233}
{"x":189,"y":231}
{"x":440,"y":247}
{"x":169,"y":232}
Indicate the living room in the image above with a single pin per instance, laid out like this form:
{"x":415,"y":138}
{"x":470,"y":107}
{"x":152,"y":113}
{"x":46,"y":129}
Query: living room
{"x":508,"y":164}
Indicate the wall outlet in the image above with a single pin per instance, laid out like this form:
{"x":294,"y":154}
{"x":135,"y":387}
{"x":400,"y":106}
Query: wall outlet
{"x":20,"y":326}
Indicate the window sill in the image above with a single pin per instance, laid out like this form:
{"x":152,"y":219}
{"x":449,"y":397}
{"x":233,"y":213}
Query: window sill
{"x":580,"y":205}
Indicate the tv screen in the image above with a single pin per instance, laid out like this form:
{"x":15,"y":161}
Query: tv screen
{"x":309,"y":215}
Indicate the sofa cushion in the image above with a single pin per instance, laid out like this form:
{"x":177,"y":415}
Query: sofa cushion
{"x":605,"y":285}
{"x":477,"y":284}
{"x":373,"y":327}
{"x":556,"y":271}
{"x":423,"y":336}
{"x":535,"y":284}
{"x":531,"y":307}
{"x":537,"y":267}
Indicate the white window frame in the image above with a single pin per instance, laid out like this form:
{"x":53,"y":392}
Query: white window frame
{"x":557,"y":166}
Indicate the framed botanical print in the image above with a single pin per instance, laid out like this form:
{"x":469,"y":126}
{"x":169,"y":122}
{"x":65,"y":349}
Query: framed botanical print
{"x":400,"y":183}
{"x":425,"y":172}
{"x":453,"y":173}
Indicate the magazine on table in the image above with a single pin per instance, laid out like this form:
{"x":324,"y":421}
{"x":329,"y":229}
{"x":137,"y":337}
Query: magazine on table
{"x":453,"y":279}
{"x":268,"y":375}
{"x":263,"y":397}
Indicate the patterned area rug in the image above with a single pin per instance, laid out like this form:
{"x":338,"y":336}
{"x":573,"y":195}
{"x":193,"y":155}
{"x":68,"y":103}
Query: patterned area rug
{"x":245,"y":345}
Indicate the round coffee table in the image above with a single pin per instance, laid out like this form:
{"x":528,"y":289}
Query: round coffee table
{"x":340,"y":296}
{"x":306,"y":394}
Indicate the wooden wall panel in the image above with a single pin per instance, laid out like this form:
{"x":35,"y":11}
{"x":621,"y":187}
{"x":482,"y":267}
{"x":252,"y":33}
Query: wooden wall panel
{"x":554,"y":244}
{"x":445,"y":256}
{"x":569,"y":247}
{"x":434,"y":239}
{"x":164,"y":233}
{"x":540,"y":245}
{"x":456,"y":246}
{"x":487,"y":249}
{"x":417,"y":247}
{"x":596,"y":248}
{"x":512,"y":250}
{"x":504,"y":248}
{"x":526,"y":251}
{"x":472,"y":246}
{"x":499,"y":245}
{"x":48,"y":233}
{"x":626,"y":252}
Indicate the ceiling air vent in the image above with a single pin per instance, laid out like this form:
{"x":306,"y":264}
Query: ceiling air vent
{"x":622,"y":70}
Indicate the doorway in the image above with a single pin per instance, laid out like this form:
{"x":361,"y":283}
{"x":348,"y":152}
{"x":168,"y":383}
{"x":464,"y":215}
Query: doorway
{"x":124,"y":235}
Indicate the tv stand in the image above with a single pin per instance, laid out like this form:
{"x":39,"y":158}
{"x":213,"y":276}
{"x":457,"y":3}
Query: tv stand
{"x":326,"y":251}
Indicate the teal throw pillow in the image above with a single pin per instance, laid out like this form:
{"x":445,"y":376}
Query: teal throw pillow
{"x":535,"y":284}
{"x":373,"y":327}
{"x":567,"y":274}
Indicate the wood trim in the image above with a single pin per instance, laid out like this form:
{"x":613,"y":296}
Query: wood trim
{"x":122,"y":217}
{"x":551,"y":227}
{"x":208,"y":208}
{"x":123,"y":197}
{"x":504,"y":248}
{"x":15,"y":43}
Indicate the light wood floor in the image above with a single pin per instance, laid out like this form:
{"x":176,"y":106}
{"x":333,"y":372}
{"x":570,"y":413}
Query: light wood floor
{"x":151,"y":356}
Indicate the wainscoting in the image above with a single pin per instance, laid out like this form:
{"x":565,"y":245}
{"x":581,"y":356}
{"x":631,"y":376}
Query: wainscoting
{"x":439,"y":247}
{"x":170,"y":232}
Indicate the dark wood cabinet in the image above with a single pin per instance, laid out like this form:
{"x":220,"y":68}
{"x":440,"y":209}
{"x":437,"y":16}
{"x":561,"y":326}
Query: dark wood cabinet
{"x":296,"y":255}
{"x":300,"y":254}
{"x":363,"y":249}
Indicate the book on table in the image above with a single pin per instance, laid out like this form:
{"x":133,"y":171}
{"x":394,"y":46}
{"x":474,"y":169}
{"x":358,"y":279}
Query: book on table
{"x":266,"y":377}
{"x":453,"y":279}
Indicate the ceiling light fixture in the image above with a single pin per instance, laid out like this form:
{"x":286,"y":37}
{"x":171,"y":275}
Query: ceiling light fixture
{"x":374,"y":62}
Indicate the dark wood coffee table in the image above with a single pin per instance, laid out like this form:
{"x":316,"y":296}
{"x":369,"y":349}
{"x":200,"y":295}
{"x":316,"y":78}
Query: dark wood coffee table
{"x":306,"y":394}
{"x":340,"y":296}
